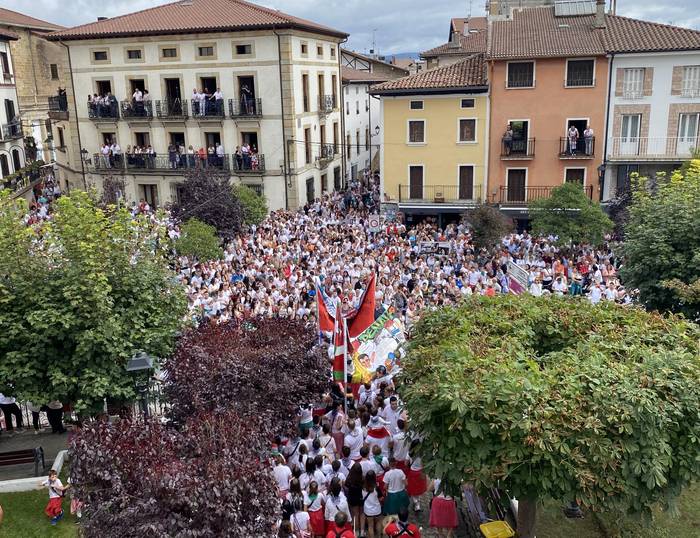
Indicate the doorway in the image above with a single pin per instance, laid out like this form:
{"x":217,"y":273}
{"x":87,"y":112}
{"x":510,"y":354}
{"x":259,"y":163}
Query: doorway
{"x":177,"y":138}
{"x":521,"y":131}
{"x":10,"y":110}
{"x":250,"y":138}
{"x":136,"y":84}
{"x":103,"y":87}
{"x":208,"y":84}
{"x":212,"y":139}
{"x":580,"y":125}
{"x":415,"y":177}
{"x":310,"y":191}
{"x":149,"y":193}
{"x":629,"y":134}
{"x":687,"y":134}
{"x":466,"y":182}
{"x":515,"y":189}
{"x":16,"y":160}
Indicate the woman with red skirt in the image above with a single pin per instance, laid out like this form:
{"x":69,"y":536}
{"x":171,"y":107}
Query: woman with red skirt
{"x":417,"y":484}
{"x":313,"y":503}
{"x":443,"y":512}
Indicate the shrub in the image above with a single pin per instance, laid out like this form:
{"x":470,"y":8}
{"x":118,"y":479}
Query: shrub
{"x":488,"y":225}
{"x":198,"y":240}
{"x":254,"y":205}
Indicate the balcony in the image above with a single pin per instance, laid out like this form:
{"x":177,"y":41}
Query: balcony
{"x":326,"y":155}
{"x":326,"y":104}
{"x":171,"y":109}
{"x":525,"y":195}
{"x":104,"y":112}
{"x":248,"y":164}
{"x":440,"y":194}
{"x":581,"y":149}
{"x":208,"y":110}
{"x":12,"y":131}
{"x":653,"y":149}
{"x":137,"y":110}
{"x":58,"y":103}
{"x":241,"y":109}
{"x":157,"y":163}
{"x":517,"y":149}
{"x":690,"y":92}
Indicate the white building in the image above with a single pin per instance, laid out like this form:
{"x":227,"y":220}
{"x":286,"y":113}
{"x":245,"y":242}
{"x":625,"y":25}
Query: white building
{"x":363,"y":121}
{"x":11,"y":135}
{"x":279,"y":77}
{"x":654,"y":111}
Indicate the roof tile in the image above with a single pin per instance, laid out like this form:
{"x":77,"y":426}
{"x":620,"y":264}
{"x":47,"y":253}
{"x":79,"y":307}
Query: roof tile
{"x":471,"y":43}
{"x":189,"y":16}
{"x":470,"y":72}
{"x":12,"y":18}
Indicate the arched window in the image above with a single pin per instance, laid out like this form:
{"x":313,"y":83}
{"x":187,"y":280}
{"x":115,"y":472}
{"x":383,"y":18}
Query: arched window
{"x":16,"y":160}
{"x":4,"y":166}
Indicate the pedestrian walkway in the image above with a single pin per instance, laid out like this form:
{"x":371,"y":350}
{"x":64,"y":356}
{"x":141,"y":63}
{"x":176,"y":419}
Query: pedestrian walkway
{"x":50,"y":442}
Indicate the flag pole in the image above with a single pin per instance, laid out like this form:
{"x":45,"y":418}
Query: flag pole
{"x":346,"y":342}
{"x":318,"y":314}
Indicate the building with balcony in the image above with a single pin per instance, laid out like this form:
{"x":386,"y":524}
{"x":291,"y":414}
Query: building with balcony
{"x":362,"y":121}
{"x":548,"y":76}
{"x":41,"y":69}
{"x":178,"y":79}
{"x":434,"y":139}
{"x":12,"y":157}
{"x":654,"y":110}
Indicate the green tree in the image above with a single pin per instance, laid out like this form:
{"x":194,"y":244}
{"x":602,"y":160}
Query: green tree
{"x":662,"y":242}
{"x":198,"y":240}
{"x":254,"y":205}
{"x":80,"y":295}
{"x":556,"y":398}
{"x":488,"y":225}
{"x":570,"y":215}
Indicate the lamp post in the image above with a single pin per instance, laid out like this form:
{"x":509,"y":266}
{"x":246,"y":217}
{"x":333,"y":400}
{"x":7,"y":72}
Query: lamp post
{"x":141,"y":362}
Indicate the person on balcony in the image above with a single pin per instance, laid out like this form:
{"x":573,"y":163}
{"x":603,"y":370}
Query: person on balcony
{"x":245,"y":152}
{"x":572,"y":135}
{"x":105,"y":151}
{"x":172,"y":155}
{"x":238,"y":156}
{"x":588,"y":140}
{"x":204,"y":98}
{"x":218,"y":99}
{"x":116,"y":150}
{"x":246,"y":100}
{"x":219,"y":155}
{"x":137,"y":97}
{"x":190,"y":156}
{"x":508,"y":139}
{"x":147,"y":103}
{"x":195,"y":102}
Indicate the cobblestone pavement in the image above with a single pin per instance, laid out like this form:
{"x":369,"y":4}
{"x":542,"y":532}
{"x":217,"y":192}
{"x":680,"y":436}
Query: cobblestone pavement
{"x":422,"y":518}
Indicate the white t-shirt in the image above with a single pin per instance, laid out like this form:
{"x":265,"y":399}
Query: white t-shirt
{"x":354,"y":441}
{"x":372,"y":506}
{"x":300,"y":521}
{"x":335,"y":505}
{"x":54,"y":487}
{"x":282,"y":475}
{"x":314,"y":505}
{"x":400,"y":447}
{"x":395,"y":480}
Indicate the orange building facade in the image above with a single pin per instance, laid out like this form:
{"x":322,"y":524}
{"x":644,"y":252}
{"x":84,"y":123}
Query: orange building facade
{"x":541,"y":100}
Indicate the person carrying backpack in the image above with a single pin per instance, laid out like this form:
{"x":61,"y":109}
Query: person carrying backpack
{"x":402,"y":528}
{"x":340,"y":528}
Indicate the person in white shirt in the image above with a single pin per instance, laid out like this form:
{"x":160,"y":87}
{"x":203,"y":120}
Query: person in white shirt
{"x":56,"y":492}
{"x":300,"y":520}
{"x":536,"y":288}
{"x":335,"y":501}
{"x":9,"y":409}
{"x":218,"y":98}
{"x":283,"y":475}
{"x":291,"y":451}
{"x":313,"y":503}
{"x":395,"y":483}
{"x":372,"y":506}
{"x":327,"y":442}
{"x":354,"y":439}
{"x":595,"y":295}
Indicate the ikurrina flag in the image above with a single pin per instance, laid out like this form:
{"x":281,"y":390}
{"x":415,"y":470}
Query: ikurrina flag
{"x":339,"y":351}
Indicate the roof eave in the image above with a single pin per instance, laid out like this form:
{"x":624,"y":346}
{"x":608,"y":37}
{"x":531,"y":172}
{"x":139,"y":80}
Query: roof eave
{"x":179,"y":31}
{"x":431,"y":91}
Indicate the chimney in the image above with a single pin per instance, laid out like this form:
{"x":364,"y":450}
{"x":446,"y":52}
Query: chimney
{"x":454,"y":40}
{"x":465,"y":31}
{"x":599,"y":14}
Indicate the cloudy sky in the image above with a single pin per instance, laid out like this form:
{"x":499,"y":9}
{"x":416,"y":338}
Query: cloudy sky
{"x":401,"y":25}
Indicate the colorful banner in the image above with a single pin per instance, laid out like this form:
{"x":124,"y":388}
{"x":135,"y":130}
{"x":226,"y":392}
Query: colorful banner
{"x":378,"y":345}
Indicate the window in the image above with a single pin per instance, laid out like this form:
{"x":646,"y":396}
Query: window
{"x":516,"y":179}
{"x":4,"y":165}
{"x":334,"y":89}
{"x":633,"y":83}
{"x":687,"y":134}
{"x":357,"y":141}
{"x":324,"y":183}
{"x":416,"y":105}
{"x":143,"y":140}
{"x":416,"y":131}
{"x":319,"y":52}
{"x":304,"y":49}
{"x":305,"y":91}
{"x":54,"y":71}
{"x":134,"y":54}
{"x":307,"y":146}
{"x":205,"y":51}
{"x":521,"y":75}
{"x":347,"y":108}
{"x":467,"y":103}
{"x":367,"y":138}
{"x":169,"y":52}
{"x":310,"y":194}
{"x":100,"y":55}
{"x":575,"y":175}
{"x":466,"y":182}
{"x":332,"y":52}
{"x":467,"y":130}
{"x":691,"y":81}
{"x":349,"y":146}
{"x":5,"y":63}
{"x":415,"y":182}
{"x":61,"y":139}
{"x":149,"y":193}
{"x":580,"y":73}
{"x":336,"y":178}
{"x":357,"y":107}
{"x":242,"y":50}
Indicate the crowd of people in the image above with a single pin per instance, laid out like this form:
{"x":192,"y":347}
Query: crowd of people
{"x":275,"y":268}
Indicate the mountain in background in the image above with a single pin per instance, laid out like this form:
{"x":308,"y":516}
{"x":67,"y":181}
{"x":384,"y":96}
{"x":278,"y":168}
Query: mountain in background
{"x":413,"y":55}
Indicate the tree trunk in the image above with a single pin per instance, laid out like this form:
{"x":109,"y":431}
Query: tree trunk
{"x":527,"y":517}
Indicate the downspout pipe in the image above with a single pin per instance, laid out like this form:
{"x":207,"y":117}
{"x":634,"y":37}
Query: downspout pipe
{"x":607,"y":127}
{"x":77,"y":121}
{"x":342,"y":110}
{"x":285,"y":170}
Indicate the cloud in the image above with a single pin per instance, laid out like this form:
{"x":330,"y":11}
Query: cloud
{"x":401,"y":25}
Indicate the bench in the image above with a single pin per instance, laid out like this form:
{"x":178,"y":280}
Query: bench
{"x":29,"y":455}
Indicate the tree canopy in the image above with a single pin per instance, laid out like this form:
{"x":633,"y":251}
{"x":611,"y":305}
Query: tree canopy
{"x":206,"y":195}
{"x":254,"y":204}
{"x":550,"y":397}
{"x":488,"y":225}
{"x":80,"y":295}
{"x":198,"y":240}
{"x":569,"y":214}
{"x":662,"y":242}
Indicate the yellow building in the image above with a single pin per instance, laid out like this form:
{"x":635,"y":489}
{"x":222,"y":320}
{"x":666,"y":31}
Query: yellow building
{"x":434,"y":140}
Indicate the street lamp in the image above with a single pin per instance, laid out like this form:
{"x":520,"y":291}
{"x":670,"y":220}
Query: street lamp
{"x":141,"y":362}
